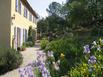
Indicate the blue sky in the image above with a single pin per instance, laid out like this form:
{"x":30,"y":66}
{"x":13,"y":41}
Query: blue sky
{"x":40,"y":5}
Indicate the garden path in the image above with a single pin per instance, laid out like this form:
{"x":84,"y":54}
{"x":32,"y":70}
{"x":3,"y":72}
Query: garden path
{"x":29,"y":55}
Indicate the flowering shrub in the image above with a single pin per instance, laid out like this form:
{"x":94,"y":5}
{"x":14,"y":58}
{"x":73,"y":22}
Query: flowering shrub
{"x":53,"y":65}
{"x":37,"y":68}
{"x":92,"y":63}
{"x":67,"y":50}
{"x":64,"y":56}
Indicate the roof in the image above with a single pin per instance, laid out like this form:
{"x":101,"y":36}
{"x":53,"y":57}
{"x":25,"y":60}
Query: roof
{"x":25,"y":2}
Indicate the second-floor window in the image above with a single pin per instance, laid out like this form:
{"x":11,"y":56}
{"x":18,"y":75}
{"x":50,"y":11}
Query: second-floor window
{"x":30,"y":16}
{"x":20,"y":7}
{"x":25,"y":12}
{"x":16,"y":5}
{"x":34,"y":20}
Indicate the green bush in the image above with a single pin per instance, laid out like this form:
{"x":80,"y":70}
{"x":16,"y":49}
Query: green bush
{"x":64,"y":66}
{"x":28,"y":44}
{"x":70,"y":48}
{"x":43,"y":43}
{"x":31,"y":37}
{"x":53,"y":72}
{"x":9,"y":59}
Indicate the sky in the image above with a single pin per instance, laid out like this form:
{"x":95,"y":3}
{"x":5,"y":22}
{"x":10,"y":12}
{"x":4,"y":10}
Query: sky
{"x":40,"y":6}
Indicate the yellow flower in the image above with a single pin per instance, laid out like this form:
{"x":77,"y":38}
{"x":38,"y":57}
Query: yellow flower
{"x":62,"y":55}
{"x":95,"y":66}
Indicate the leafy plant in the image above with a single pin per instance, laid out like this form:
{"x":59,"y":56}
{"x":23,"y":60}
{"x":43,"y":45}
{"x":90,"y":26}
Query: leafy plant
{"x":31,"y":37}
{"x":9,"y":59}
{"x":43,"y":43}
{"x":92,"y":64}
{"x":70,"y":50}
{"x":28,"y":44}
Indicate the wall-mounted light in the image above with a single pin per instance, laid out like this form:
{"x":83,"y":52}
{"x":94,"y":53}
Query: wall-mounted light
{"x":13,"y":17}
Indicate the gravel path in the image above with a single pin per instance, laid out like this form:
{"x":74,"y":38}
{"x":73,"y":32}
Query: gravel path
{"x":28,"y":56}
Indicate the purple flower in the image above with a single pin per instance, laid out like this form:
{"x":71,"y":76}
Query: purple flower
{"x":86,"y":49}
{"x":92,"y":57}
{"x":92,"y":60}
{"x":26,"y":72}
{"x":21,"y":72}
{"x":39,"y":63}
{"x":50,"y":54}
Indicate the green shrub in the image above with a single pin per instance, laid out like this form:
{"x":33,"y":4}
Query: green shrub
{"x":43,"y":43}
{"x":70,"y":48}
{"x":9,"y":59}
{"x":64,"y":66}
{"x":28,"y":44}
{"x":53,"y":72}
{"x":31,"y":37}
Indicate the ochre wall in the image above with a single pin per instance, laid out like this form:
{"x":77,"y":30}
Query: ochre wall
{"x":5,"y":22}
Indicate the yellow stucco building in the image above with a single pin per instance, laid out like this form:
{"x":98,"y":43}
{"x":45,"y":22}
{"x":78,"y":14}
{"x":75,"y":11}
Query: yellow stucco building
{"x":16,"y":16}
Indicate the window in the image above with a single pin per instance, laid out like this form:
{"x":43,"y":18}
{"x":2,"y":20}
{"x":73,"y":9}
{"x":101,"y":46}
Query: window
{"x":18,"y":37}
{"x":30,"y":16}
{"x":24,"y":35}
{"x":34,"y":20}
{"x":25,"y":12}
{"x":16,"y":5}
{"x":20,"y":7}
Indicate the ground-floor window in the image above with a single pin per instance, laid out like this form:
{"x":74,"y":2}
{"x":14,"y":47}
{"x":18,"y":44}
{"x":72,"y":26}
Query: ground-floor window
{"x":20,"y":36}
{"x":25,"y":35}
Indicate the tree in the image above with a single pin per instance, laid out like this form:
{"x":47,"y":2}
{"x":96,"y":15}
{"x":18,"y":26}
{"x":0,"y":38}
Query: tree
{"x":54,"y":9}
{"x":42,"y":27}
{"x":84,"y":12}
{"x":55,"y":24}
{"x":73,"y":16}
{"x":31,"y":36}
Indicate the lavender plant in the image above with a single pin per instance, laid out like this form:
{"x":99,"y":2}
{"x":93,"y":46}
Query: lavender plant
{"x":39,"y":64}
